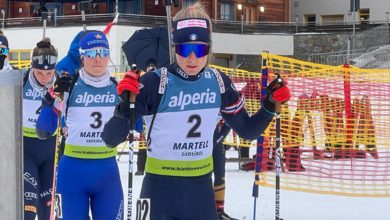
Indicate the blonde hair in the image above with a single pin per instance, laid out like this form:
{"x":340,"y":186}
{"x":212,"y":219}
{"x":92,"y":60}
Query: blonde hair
{"x":196,"y":10}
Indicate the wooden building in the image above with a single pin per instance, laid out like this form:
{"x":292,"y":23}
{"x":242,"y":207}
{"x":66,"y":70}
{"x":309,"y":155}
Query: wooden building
{"x":233,"y":10}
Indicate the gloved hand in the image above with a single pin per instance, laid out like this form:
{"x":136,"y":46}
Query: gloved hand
{"x":62,"y":84}
{"x":277,"y":91}
{"x":48,"y":99}
{"x":129,"y":83}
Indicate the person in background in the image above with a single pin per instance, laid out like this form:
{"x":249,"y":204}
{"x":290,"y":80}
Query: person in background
{"x":88,"y":174}
{"x":4,"y":51}
{"x":141,"y":156}
{"x":42,"y":9}
{"x":38,"y":154}
{"x":181,"y":106}
{"x":141,"y":160}
{"x":219,"y":159}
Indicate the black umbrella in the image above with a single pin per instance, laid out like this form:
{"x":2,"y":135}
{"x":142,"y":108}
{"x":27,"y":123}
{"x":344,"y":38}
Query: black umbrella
{"x":147,"y":46}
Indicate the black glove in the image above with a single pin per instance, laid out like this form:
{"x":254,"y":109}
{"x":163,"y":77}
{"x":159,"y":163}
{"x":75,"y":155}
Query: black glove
{"x":62,"y":84}
{"x":47,"y":100}
{"x":122,"y":110}
{"x":268,"y":102}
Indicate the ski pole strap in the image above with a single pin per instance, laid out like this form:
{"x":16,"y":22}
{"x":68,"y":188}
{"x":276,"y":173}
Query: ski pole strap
{"x":161,"y":91}
{"x":221,"y":84}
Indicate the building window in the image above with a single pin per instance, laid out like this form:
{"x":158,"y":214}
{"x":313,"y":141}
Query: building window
{"x":332,"y":19}
{"x":227,"y":10}
{"x":364,"y":14}
{"x":310,"y":19}
{"x":186,"y":3}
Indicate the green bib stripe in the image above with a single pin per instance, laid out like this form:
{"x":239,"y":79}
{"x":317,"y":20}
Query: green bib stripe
{"x":30,"y":132}
{"x":89,"y":152}
{"x":179,"y":168}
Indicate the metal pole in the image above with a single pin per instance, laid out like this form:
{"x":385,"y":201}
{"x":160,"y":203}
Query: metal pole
{"x":387,"y":21}
{"x":348,"y":51}
{"x":116,"y":7}
{"x":242,"y":23}
{"x":44,"y":18}
{"x":354,"y":25}
{"x":83,"y":20}
{"x":55,"y":17}
{"x":169,"y":27}
{"x":82,"y":6}
{"x":3,"y":13}
{"x":215,"y":11}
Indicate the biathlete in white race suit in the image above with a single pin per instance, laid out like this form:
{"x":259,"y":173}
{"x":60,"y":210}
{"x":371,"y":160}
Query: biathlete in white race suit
{"x":179,"y":162}
{"x":88,"y":174}
{"x":38,"y":154}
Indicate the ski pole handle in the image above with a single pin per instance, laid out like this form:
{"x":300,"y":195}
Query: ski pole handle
{"x":278,"y":106}
{"x":280,"y":83}
{"x":133,"y":96}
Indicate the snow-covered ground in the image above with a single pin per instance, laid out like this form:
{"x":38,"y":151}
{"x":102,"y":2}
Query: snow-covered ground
{"x":294,"y":205}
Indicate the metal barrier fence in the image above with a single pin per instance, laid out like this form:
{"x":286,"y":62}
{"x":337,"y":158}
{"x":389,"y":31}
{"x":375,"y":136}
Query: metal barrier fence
{"x":223,"y":26}
{"x":376,"y":57}
{"x":323,"y":58}
{"x":20,"y":58}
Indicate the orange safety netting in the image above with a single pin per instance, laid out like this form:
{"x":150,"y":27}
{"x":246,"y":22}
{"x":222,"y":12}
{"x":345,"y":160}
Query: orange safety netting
{"x":335,"y":129}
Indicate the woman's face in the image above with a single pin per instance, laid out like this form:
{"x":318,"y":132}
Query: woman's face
{"x":96,"y":65}
{"x":43,"y":76}
{"x":191,"y":64}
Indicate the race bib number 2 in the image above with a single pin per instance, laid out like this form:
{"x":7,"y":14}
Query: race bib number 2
{"x":143,"y":209}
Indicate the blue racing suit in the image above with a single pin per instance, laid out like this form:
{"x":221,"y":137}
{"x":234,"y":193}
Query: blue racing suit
{"x":179,"y":163}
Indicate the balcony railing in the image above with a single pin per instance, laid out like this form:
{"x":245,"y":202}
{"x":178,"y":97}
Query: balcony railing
{"x":223,"y":26}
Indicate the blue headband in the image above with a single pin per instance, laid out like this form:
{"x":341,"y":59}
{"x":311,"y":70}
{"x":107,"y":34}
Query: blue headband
{"x":92,"y":39}
{"x":191,"y":29}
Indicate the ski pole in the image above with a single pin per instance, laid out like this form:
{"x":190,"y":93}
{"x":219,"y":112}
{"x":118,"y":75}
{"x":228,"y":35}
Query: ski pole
{"x":260,"y":140}
{"x":56,"y":152}
{"x":131,"y":153}
{"x":123,"y":150}
{"x":235,"y":69}
{"x":59,"y":101}
{"x":278,"y":156}
{"x":130,"y":138}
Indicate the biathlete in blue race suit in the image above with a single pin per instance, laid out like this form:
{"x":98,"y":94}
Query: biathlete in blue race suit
{"x":88,"y":174}
{"x":181,"y":106}
{"x":38,"y":154}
